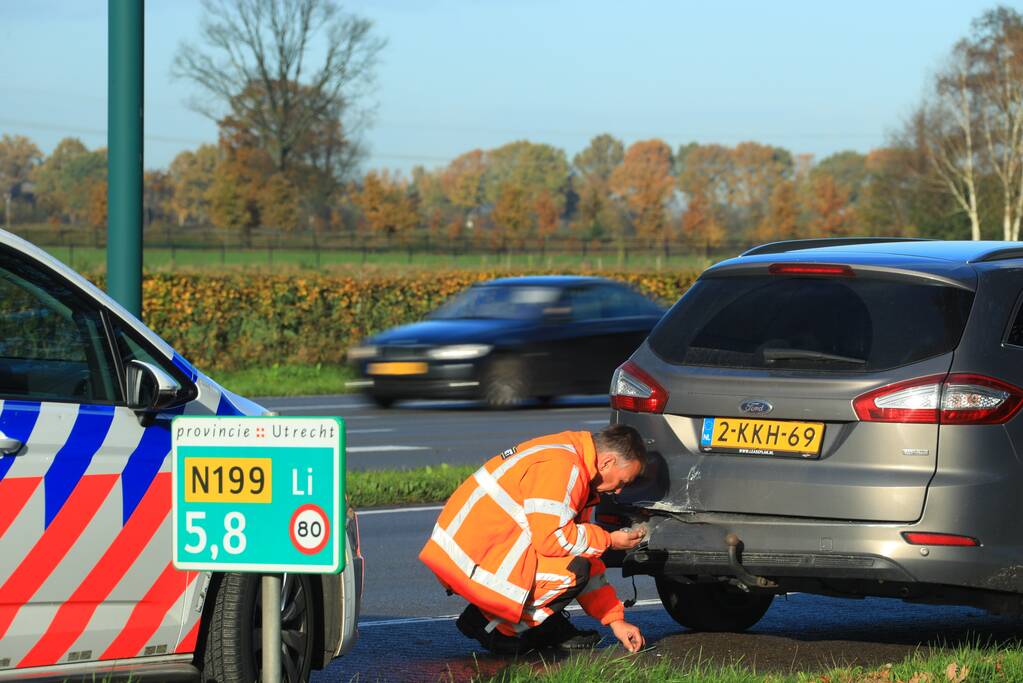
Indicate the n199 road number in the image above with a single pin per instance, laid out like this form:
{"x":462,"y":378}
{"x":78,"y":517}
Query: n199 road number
{"x":228,"y":480}
{"x":233,"y":540}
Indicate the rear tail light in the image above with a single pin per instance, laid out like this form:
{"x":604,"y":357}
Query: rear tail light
{"x":810,"y":269}
{"x":633,"y":389}
{"x":937,"y":399}
{"x":923,"y":538}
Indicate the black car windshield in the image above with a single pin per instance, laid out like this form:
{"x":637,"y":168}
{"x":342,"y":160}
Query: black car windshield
{"x":504,"y":302}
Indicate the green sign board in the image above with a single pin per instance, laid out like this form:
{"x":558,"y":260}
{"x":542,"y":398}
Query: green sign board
{"x":258,"y":494}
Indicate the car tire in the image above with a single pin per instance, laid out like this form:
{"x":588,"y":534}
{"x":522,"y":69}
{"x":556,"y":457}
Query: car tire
{"x":233,"y":647}
{"x":505,"y":384}
{"x":712,"y":606}
{"x":382,"y":401}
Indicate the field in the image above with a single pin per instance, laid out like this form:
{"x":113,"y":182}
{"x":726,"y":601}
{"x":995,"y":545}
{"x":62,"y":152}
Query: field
{"x":168,"y":259}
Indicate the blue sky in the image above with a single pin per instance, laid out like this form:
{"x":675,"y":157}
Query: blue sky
{"x":813,"y":76}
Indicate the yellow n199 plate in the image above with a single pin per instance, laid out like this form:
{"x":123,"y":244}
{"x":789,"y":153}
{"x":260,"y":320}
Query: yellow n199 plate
{"x":396,"y":369}
{"x":761,"y":437}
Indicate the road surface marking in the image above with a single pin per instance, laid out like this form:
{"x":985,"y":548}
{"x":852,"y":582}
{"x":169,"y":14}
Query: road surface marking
{"x":389,"y":510}
{"x":452,"y":617}
{"x":595,"y":422}
{"x":318,"y":406}
{"x":370,"y":449}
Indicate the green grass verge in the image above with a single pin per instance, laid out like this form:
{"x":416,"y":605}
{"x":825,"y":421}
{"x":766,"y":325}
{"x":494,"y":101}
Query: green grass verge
{"x":286,"y":380}
{"x":404,"y":487}
{"x":956,"y":665}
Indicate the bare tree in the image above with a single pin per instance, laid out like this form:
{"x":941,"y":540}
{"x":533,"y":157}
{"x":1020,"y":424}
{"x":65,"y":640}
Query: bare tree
{"x":252,"y":64}
{"x":945,"y":125}
{"x":996,"y":64}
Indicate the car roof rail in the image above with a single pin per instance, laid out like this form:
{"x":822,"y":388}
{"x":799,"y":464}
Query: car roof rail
{"x":1000,"y":254}
{"x":797,"y":245}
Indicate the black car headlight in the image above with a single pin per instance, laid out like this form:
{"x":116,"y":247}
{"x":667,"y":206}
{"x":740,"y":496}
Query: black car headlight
{"x":459,"y":352}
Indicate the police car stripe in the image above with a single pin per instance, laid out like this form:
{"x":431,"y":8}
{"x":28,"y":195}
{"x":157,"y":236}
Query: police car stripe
{"x":184,"y":366}
{"x":72,"y":460}
{"x":225,"y":407}
{"x":149,"y":613}
{"x":188,"y":643}
{"x":143,"y":465}
{"x":17,"y":420}
{"x":15,"y":492}
{"x":53,"y":545}
{"x":74,"y":614}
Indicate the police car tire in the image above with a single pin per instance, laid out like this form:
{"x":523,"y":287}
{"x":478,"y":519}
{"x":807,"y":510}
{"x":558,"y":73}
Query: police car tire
{"x":712,"y":606}
{"x":229,"y":655}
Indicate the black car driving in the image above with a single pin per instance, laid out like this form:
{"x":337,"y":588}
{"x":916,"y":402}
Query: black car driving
{"x":509,"y":340}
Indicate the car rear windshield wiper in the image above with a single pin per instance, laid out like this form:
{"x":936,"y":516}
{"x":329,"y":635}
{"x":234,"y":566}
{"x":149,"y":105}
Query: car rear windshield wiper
{"x":771,"y":355}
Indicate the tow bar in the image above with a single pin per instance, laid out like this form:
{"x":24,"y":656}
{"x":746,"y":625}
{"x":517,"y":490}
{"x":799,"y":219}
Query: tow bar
{"x":746,"y":580}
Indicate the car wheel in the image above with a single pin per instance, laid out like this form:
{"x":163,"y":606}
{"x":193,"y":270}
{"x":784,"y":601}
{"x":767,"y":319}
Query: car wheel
{"x":382,"y":401}
{"x":234,"y":648}
{"x":712,"y":606}
{"x":505,"y":384}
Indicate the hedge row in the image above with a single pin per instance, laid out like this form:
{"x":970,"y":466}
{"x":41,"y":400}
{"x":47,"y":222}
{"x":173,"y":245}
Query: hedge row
{"x":236,"y":320}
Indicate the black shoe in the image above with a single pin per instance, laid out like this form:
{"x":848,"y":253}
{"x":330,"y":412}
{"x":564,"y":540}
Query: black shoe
{"x":557,"y":631}
{"x":473,"y":624}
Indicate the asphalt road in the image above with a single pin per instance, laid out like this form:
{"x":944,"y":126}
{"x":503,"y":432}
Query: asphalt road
{"x":407,"y":622}
{"x":415,"y":434}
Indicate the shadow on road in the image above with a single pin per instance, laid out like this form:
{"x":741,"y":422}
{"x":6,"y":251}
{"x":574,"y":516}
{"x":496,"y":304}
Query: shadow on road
{"x":799,"y":633}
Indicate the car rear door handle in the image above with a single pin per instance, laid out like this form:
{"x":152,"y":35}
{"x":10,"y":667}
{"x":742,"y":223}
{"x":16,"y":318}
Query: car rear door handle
{"x":9,"y":446}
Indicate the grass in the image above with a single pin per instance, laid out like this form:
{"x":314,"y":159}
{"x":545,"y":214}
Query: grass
{"x":286,"y":380}
{"x":405,"y":487}
{"x":955,"y":665}
{"x":93,"y":258}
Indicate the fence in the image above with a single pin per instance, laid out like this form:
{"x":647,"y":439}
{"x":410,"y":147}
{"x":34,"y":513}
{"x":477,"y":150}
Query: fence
{"x":182,"y":245}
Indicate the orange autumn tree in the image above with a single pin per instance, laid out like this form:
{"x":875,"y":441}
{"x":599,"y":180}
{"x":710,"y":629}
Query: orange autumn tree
{"x":828,"y":204}
{"x":782,"y":219}
{"x":644,"y":183}
{"x":387,"y":205}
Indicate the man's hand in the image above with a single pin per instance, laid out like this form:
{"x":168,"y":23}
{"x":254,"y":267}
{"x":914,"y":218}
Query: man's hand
{"x":625,"y":539}
{"x":628,"y":634}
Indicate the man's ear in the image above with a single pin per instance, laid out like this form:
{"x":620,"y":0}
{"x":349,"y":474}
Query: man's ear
{"x":604,"y":460}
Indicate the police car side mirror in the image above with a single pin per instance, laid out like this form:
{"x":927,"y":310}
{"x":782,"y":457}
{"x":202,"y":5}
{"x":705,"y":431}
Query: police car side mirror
{"x":150,"y":388}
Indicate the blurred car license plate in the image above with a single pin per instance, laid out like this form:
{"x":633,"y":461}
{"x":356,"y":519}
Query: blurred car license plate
{"x":396,"y":369}
{"x":761,"y":437}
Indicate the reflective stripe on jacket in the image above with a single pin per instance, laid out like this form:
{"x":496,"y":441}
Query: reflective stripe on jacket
{"x":528,"y":501}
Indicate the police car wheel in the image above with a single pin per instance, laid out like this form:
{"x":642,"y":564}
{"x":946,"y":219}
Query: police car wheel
{"x":233,"y":652}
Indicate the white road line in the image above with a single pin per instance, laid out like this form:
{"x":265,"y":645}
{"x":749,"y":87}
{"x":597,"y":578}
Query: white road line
{"x":318,"y":406}
{"x":383,"y":449}
{"x":595,"y":422}
{"x":370,"y":431}
{"x":363,"y":513}
{"x":452,"y":617}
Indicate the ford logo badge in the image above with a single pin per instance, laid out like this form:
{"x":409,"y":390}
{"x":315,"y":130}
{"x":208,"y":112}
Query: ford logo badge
{"x":755,"y":407}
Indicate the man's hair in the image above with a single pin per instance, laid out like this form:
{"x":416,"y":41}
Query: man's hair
{"x":623,"y":440}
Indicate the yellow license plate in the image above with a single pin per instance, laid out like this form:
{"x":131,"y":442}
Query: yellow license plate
{"x":396,"y":369}
{"x":228,"y":480}
{"x":761,"y":437}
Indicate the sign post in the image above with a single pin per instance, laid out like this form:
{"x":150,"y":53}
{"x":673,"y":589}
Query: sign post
{"x":259,"y":494}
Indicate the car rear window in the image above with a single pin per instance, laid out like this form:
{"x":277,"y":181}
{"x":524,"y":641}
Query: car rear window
{"x":811,"y":323}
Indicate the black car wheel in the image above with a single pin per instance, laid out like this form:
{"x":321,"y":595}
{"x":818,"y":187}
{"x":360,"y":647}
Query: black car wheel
{"x":712,"y":606}
{"x":382,"y":401}
{"x":234,"y":647}
{"x":505,"y":384}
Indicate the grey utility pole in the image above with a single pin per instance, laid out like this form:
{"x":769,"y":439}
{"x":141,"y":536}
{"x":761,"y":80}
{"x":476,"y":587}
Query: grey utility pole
{"x":124,"y":149}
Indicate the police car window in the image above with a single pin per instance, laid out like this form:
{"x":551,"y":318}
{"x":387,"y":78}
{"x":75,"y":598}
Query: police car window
{"x":53,"y":346}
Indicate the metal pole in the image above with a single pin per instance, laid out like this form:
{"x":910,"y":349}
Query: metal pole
{"x":271,"y":628}
{"x":124,"y":152}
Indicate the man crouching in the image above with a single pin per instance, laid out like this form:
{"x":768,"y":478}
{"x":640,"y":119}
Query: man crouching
{"x":517,"y":540}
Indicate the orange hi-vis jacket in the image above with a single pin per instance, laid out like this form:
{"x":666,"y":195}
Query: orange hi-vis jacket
{"x":532,"y":500}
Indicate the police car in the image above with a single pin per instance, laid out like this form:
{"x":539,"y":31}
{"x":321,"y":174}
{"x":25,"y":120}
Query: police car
{"x":87,"y":587}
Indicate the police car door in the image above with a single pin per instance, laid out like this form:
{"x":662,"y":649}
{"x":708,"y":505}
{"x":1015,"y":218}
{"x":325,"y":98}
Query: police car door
{"x":85,"y":569}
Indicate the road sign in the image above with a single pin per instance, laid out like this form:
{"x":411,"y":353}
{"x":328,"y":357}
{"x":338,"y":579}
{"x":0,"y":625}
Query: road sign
{"x":258,"y":494}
